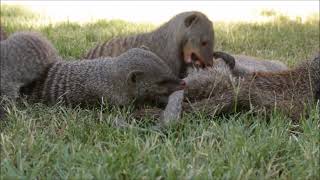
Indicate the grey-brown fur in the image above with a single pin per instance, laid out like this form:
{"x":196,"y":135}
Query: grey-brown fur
{"x":242,"y":65}
{"x":291,"y":92}
{"x":137,"y":74}
{"x":248,"y":64}
{"x":186,"y":37}
{"x":216,"y":91}
{"x":24,"y":57}
{"x":201,"y":84}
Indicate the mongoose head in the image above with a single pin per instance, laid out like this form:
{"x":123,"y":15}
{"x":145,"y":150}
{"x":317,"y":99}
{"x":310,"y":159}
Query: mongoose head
{"x":198,"y":40}
{"x":149,"y":77}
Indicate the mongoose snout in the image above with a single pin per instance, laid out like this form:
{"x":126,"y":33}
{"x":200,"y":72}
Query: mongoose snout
{"x":198,"y":53}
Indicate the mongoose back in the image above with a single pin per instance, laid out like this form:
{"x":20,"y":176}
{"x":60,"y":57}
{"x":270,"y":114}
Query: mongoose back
{"x":137,"y":74}
{"x":24,"y":57}
{"x":242,"y":65}
{"x":186,"y":38}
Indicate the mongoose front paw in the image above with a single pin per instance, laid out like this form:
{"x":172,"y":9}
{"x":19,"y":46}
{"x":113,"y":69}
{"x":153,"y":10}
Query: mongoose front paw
{"x":228,"y":59}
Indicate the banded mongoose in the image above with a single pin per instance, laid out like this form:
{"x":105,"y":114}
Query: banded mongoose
{"x":290,"y":91}
{"x":24,"y":57}
{"x":206,"y":82}
{"x":185,"y":39}
{"x":137,"y":74}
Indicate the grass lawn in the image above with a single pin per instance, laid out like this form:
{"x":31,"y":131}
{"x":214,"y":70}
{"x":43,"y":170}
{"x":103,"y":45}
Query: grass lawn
{"x":38,"y":141}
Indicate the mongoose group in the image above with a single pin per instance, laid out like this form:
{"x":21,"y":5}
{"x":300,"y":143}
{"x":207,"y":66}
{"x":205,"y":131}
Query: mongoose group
{"x":147,"y":67}
{"x":31,"y":66}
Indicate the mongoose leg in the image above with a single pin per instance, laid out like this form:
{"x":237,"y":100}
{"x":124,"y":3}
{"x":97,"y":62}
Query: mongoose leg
{"x":173,"y":110}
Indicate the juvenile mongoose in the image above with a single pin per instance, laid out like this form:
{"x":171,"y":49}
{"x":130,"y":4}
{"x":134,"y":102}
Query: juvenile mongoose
{"x":290,"y":91}
{"x":24,"y":57}
{"x":137,"y":74}
{"x":186,"y":38}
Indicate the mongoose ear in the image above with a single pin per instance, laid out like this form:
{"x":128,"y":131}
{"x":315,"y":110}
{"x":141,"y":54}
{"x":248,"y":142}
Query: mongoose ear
{"x":134,"y":76}
{"x":145,"y":47}
{"x":190,"y":20}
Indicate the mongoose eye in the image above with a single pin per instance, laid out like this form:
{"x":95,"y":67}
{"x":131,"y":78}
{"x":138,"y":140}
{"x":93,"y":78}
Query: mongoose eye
{"x":204,"y":43}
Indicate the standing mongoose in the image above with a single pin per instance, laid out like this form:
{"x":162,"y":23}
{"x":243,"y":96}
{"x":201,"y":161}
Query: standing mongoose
{"x":290,"y":91}
{"x":137,"y":74}
{"x":24,"y":57}
{"x":186,"y":38}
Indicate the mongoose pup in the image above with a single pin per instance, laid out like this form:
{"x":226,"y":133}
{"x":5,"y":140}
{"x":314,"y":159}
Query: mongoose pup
{"x":291,"y":91}
{"x":24,"y":57}
{"x":137,"y":74}
{"x":186,"y":38}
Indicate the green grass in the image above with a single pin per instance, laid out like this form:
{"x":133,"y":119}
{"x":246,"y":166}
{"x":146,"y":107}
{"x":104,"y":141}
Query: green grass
{"x":39,"y":141}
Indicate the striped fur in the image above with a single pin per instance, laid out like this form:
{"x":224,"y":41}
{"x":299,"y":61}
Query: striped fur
{"x":109,"y":79}
{"x":290,"y":91}
{"x":24,"y":57}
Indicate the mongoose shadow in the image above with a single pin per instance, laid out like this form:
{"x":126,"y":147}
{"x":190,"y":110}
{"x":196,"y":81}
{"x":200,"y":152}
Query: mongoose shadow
{"x":185,"y":39}
{"x":136,"y":75}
